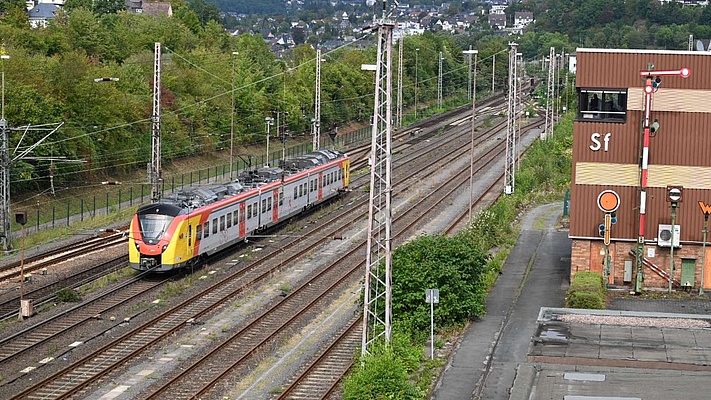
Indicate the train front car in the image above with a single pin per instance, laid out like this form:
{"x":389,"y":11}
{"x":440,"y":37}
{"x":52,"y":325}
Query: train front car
{"x":150,"y":234}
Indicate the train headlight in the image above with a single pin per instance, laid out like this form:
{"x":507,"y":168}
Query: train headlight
{"x":138,"y":247}
{"x":162,"y":250}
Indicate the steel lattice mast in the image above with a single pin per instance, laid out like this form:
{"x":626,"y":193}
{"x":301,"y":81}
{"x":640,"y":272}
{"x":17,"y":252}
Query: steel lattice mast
{"x":401,"y":45}
{"x":439,"y":82}
{"x":377,"y":307}
{"x":154,"y":171}
{"x":548,"y":131}
{"x":317,"y":104}
{"x":510,"y":166}
{"x":5,"y":168}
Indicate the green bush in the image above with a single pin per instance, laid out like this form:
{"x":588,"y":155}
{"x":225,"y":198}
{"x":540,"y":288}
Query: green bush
{"x":586,"y":291}
{"x":453,"y":265}
{"x":68,"y":295}
{"x":385,"y":374}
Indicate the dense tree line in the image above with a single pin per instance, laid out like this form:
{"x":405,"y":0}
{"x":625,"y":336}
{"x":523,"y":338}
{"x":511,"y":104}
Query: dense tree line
{"x":51,"y":71}
{"x":50,"y":75}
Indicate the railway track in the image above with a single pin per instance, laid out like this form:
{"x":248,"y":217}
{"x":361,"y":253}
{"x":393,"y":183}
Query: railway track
{"x":47,"y":293}
{"x":32,"y":264}
{"x":321,"y":377}
{"x":97,"y":308}
{"x":72,"y":391}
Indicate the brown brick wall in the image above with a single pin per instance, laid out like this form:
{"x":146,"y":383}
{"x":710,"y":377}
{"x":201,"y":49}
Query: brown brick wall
{"x":585,"y":256}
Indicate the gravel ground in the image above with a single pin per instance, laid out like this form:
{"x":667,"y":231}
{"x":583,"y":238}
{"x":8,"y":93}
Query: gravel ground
{"x":635,"y":321}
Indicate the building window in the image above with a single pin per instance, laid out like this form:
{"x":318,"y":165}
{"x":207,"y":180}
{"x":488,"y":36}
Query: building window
{"x":602,"y":105}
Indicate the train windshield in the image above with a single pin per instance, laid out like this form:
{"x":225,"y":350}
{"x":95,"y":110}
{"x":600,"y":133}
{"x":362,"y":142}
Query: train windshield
{"x":153,"y":226}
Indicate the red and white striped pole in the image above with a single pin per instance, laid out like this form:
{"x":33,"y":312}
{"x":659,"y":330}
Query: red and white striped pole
{"x":650,"y":86}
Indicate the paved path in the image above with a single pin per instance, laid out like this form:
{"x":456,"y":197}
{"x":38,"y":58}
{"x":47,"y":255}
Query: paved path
{"x":534,"y":275}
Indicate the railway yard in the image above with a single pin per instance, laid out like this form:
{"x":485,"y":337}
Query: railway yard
{"x":277,"y":317}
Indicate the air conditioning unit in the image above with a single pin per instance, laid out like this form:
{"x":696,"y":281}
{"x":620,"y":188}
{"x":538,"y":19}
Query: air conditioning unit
{"x":664,"y":237}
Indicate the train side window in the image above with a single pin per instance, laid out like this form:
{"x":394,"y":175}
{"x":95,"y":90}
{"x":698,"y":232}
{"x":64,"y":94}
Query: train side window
{"x":323,"y":181}
{"x":255,"y":207}
{"x":190,"y":235}
{"x":296,"y":192}
{"x":301,"y":190}
{"x":235,"y":216}
{"x":229,"y":220}
{"x":269,"y":203}
{"x":264,"y":206}
{"x":207,"y":228}
{"x":198,"y":233}
{"x":249,"y":211}
{"x":214,"y":225}
{"x":281,"y":198}
{"x":222,"y":223}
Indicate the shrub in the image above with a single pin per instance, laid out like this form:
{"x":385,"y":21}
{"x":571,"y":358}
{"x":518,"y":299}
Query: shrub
{"x":586,"y":291}
{"x":385,"y":374}
{"x":68,"y":295}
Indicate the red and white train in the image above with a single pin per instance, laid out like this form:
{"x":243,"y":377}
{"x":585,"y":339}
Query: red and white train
{"x":182,"y":230}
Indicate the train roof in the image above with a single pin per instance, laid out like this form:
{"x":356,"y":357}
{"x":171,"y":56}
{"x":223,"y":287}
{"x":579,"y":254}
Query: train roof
{"x":204,"y":195}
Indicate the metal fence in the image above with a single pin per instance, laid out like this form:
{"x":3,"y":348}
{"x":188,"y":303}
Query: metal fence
{"x":81,"y":208}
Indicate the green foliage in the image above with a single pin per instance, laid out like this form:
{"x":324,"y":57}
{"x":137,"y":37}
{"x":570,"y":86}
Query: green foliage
{"x":68,"y":295}
{"x":385,"y":373}
{"x":455,"y":266}
{"x":586,"y":291}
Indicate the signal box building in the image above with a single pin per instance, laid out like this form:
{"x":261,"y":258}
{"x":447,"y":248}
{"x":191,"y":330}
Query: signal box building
{"x":642,"y":158}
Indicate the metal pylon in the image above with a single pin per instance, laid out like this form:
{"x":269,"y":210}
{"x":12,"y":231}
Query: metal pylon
{"x":317,"y":103}
{"x":550,"y":95}
{"x":510,"y":171}
{"x":377,"y":307}
{"x":400,"y":48}
{"x":154,"y":172}
{"x":439,"y":82}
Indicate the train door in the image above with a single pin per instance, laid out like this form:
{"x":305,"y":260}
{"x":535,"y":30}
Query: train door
{"x":242,"y":224}
{"x":275,"y":205}
{"x":320,"y":186}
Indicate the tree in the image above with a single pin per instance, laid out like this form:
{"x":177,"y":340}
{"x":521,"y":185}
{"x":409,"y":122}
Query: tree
{"x":102,"y":7}
{"x":86,"y":33}
{"x":205,"y":11}
{"x":298,"y":35}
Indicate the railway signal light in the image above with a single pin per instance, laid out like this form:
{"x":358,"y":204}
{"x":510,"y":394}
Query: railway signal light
{"x":601,"y":230}
{"x":21,"y":217}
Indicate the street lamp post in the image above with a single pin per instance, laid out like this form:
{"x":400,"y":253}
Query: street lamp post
{"x":232,"y":122}
{"x":269,"y":122}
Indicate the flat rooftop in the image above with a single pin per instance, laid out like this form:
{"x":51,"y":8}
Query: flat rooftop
{"x":616,"y":355}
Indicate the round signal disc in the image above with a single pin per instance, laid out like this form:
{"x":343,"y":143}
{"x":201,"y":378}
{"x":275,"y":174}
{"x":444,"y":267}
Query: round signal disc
{"x":608,"y":201}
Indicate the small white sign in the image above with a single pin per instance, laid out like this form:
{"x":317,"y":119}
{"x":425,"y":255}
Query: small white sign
{"x":650,"y":252}
{"x":432,"y":296}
